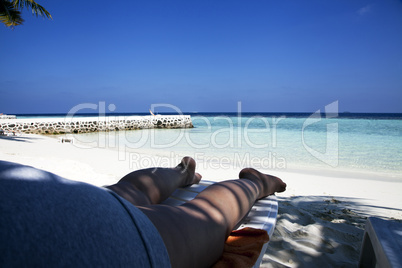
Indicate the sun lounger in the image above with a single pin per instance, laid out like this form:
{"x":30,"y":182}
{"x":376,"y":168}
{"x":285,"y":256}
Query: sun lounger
{"x":382,"y":244}
{"x":9,"y":133}
{"x":261,"y":216}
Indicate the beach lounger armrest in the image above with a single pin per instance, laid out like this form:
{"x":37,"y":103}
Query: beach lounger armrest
{"x":382,"y":244}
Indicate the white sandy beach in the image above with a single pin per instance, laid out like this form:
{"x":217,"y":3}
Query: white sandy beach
{"x":321,"y":219}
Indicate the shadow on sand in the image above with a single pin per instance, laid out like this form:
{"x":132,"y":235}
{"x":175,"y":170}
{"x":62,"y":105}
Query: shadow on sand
{"x":318,"y":231}
{"x":18,"y":138}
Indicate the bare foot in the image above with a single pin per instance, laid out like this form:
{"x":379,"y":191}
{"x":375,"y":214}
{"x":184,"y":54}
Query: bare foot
{"x":187,"y":167}
{"x":270,"y":184}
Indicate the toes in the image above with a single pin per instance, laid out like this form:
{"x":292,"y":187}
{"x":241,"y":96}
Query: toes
{"x":187,"y":166}
{"x":187,"y":163}
{"x":247,"y":172}
{"x":197,"y":178}
{"x":273,"y":184}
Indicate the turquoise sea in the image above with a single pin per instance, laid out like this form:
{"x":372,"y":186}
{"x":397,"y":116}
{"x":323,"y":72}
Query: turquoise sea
{"x":368,"y":144}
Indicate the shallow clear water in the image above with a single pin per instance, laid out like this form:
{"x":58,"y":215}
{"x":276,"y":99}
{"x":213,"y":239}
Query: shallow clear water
{"x":273,"y":142}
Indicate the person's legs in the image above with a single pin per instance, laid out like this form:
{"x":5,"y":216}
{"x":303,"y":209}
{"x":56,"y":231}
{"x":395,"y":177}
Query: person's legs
{"x":194,"y":233}
{"x":153,"y":185}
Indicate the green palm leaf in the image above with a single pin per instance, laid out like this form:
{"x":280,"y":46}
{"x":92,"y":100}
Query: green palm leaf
{"x":35,"y":7}
{"x":9,"y":15}
{"x":10,"y":11}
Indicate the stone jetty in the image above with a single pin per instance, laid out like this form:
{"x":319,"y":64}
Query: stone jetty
{"x":92,"y":124}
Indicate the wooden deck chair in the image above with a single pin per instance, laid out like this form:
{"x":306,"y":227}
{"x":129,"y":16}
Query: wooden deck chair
{"x":261,"y":216}
{"x":382,"y":244}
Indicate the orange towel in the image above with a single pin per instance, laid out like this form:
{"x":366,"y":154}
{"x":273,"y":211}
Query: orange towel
{"x":242,"y":248}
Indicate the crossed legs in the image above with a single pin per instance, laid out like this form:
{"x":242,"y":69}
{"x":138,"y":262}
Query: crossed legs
{"x":194,"y":233}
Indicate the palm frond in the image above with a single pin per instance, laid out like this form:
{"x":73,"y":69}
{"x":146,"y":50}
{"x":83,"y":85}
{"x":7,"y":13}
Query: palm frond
{"x":37,"y":9}
{"x":9,"y":15}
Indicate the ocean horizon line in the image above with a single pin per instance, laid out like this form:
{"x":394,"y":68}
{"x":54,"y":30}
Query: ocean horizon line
{"x":346,"y":115}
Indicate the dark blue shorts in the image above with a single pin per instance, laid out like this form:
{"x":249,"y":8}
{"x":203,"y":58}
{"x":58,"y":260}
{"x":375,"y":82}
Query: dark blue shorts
{"x":48,"y":221}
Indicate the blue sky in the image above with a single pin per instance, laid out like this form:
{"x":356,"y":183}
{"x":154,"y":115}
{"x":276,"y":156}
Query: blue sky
{"x":205,"y":56}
